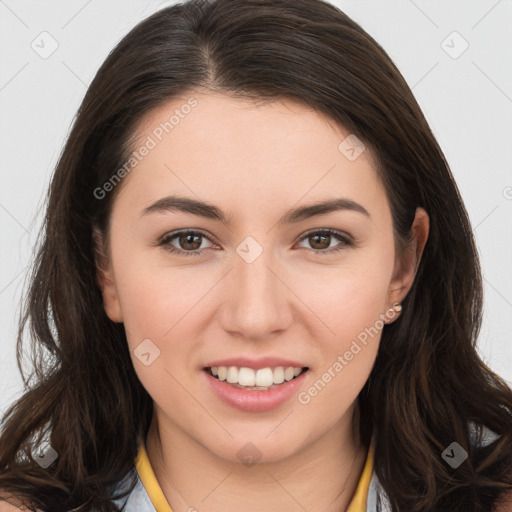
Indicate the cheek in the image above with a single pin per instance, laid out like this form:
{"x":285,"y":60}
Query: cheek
{"x":351,"y":307}
{"x":162,"y":306}
{"x":156,"y":300}
{"x":351,"y":297}
{"x":347,"y":358}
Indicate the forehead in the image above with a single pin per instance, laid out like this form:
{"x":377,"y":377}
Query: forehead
{"x":222,"y":148}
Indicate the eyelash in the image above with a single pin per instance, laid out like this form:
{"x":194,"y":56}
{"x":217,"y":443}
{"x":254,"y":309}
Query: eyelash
{"x":166,"y":239}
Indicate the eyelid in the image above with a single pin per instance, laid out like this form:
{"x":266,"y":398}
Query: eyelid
{"x":165,"y":238}
{"x":331,"y":231}
{"x":346,"y":240}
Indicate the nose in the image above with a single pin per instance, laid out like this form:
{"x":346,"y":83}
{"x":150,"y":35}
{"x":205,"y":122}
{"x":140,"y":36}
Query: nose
{"x":256,"y":298}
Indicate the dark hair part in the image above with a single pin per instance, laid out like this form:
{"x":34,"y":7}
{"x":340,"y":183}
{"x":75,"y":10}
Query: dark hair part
{"x":428,"y":382}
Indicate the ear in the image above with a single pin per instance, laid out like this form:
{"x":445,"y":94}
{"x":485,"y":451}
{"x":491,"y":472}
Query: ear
{"x":105,"y":277}
{"x":407,"y":264}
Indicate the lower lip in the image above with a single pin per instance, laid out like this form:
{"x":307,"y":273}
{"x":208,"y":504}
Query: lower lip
{"x":254,"y":401}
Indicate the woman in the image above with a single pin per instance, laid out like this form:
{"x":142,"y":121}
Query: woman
{"x":257,"y":287}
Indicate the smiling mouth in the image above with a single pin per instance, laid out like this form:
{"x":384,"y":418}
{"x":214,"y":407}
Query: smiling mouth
{"x":255,"y":380}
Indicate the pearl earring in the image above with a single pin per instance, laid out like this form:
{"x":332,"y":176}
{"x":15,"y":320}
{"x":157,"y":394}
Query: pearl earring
{"x":394,"y":309}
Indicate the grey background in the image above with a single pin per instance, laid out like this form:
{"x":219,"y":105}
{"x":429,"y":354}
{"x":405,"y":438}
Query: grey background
{"x":466,"y":98}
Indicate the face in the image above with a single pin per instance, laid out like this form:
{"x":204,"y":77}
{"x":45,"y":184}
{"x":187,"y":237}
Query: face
{"x":251,"y":281}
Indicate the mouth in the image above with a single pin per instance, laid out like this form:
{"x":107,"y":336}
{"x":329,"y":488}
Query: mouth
{"x":262,"y":379}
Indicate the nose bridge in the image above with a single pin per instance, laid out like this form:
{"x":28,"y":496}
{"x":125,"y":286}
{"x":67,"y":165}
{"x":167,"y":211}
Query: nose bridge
{"x":252,"y":272}
{"x":257,"y":304}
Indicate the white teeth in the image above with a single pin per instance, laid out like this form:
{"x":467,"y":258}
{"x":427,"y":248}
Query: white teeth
{"x":289,"y":373}
{"x":279,"y":375}
{"x":264,"y":377}
{"x":232,"y":375}
{"x":246,"y":376}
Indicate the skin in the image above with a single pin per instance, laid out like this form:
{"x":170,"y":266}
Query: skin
{"x":255,"y":161}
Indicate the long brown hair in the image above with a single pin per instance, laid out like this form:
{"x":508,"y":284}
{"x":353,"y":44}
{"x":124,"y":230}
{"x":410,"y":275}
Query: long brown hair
{"x":428,"y":383}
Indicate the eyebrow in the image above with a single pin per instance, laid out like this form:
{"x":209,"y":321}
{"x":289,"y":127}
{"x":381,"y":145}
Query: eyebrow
{"x":210,"y":211}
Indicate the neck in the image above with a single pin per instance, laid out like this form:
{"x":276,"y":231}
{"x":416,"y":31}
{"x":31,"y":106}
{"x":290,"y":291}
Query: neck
{"x":321,"y":477}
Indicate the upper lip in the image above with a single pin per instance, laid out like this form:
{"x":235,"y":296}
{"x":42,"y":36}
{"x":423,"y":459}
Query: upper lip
{"x":255,"y":364}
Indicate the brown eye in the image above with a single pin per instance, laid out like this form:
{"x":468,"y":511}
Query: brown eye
{"x":188,"y":242}
{"x":320,"y":240}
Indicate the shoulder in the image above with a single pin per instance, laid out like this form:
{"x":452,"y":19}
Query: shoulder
{"x":12,"y":506}
{"x":505,"y":503}
{"x":482,"y":436}
{"x":7,"y":507}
